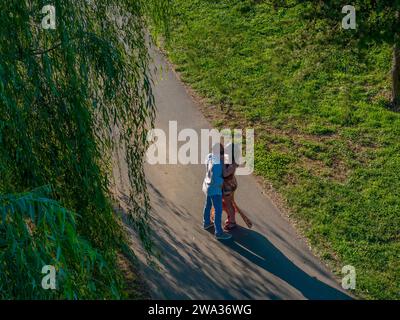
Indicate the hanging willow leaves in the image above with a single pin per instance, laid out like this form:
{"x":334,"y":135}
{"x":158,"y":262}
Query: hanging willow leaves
{"x":36,"y":231}
{"x":69,"y":97}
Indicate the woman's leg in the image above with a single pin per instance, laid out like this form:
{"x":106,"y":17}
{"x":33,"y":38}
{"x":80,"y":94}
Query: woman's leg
{"x":230,"y":209}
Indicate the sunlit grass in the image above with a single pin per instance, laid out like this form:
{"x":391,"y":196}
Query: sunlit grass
{"x":324,"y":136}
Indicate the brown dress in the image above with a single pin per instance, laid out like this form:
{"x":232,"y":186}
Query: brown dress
{"x":228,"y":188}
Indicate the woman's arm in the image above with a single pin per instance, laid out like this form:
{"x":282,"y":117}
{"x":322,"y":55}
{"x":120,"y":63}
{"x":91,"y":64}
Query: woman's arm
{"x":229,"y":169}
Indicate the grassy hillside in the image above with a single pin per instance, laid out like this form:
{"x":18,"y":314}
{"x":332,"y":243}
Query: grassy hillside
{"x":324,"y":137}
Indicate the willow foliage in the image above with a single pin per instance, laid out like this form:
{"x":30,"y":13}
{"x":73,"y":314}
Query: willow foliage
{"x":70,"y":96}
{"x":36,"y":231}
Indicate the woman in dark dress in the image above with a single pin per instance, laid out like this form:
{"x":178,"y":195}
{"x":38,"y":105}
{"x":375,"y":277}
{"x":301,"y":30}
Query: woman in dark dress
{"x":228,"y":190}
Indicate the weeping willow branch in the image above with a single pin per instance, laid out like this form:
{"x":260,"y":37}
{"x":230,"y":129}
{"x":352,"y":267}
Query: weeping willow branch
{"x":58,"y":106}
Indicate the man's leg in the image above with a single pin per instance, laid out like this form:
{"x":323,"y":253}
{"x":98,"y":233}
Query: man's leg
{"x":206,"y":213}
{"x":217,"y":203}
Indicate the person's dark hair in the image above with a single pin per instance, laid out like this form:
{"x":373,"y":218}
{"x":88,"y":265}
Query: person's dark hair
{"x":233,"y":154}
{"x":218,"y":148}
{"x":221,"y":149}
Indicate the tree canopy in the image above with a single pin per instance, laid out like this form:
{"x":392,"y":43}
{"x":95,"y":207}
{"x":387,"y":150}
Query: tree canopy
{"x":68,"y":98}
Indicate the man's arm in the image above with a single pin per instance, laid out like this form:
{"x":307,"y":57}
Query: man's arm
{"x":218,"y":174}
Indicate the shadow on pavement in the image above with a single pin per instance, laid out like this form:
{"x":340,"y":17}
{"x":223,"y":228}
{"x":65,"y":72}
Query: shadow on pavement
{"x":260,"y":251}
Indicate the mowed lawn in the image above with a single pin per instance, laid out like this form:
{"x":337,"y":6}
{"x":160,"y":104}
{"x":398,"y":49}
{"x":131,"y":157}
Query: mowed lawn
{"x":325,"y":138}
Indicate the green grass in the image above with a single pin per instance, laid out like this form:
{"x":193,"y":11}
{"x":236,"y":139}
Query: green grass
{"x":324,"y":136}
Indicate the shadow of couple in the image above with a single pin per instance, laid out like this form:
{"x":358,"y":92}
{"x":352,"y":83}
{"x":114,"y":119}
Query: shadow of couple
{"x":260,"y":251}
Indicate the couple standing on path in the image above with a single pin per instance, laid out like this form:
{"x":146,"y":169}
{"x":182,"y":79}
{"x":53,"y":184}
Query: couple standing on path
{"x":219,"y":186}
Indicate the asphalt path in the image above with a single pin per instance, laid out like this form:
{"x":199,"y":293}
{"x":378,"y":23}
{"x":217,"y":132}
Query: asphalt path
{"x":269,"y":261}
